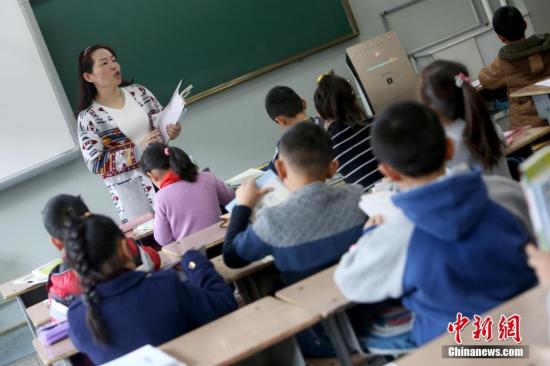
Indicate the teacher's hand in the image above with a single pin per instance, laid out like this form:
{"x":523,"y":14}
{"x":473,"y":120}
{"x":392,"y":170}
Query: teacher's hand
{"x":173,"y":130}
{"x":152,"y":137}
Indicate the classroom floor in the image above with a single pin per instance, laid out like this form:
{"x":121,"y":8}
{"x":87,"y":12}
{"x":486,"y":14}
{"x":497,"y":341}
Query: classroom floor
{"x":16,"y":348}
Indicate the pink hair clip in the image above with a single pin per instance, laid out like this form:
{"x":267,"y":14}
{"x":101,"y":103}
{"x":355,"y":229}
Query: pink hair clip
{"x":167,"y":151}
{"x":460,"y":79}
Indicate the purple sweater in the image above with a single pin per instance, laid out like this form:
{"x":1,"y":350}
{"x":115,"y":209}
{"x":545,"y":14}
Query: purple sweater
{"x":183,"y":208}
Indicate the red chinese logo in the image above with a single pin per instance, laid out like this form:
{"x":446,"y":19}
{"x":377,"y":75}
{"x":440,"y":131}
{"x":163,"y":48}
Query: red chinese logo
{"x":508,"y":327}
{"x":457,"y":326}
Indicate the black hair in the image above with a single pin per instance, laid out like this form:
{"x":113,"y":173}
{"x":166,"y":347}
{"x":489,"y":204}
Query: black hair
{"x":88,"y":91}
{"x":164,"y":157}
{"x":509,"y":23}
{"x":57,"y":210}
{"x":409,"y":137}
{"x":91,"y":244}
{"x":283,"y":101}
{"x":307,"y":147}
{"x":439,"y":90}
{"x":335,"y":99}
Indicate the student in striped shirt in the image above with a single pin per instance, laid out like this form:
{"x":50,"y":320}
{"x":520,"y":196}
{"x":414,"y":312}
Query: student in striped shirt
{"x":349,"y":129}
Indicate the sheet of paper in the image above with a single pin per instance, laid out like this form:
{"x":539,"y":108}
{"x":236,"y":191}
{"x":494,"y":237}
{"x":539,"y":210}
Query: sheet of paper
{"x":171,"y":113}
{"x":378,"y":203}
{"x":30,"y":280}
{"x":145,"y":356}
{"x":544,"y":83}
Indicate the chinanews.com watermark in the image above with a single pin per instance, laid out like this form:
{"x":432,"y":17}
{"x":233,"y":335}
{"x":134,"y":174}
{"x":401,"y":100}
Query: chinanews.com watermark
{"x":507,"y":328}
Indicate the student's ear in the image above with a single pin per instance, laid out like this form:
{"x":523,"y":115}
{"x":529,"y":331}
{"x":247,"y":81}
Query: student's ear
{"x":390,"y":172}
{"x":449,"y":149}
{"x":332,"y":168}
{"x":304,"y":104}
{"x":281,"y":169}
{"x":281,"y":121}
{"x":524,"y":25}
{"x":58,"y":243}
{"x":123,"y":251}
{"x":503,"y":39}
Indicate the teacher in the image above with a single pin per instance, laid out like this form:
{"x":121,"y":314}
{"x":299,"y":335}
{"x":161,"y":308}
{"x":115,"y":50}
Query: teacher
{"x":116,"y":122}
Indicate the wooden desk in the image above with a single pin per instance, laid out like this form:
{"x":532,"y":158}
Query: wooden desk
{"x":526,"y":137}
{"x":233,"y":275}
{"x":530,"y":91}
{"x":241,"y":334}
{"x":531,"y":305}
{"x":206,"y":238}
{"x":541,"y":98}
{"x":319,"y":293}
{"x":39,"y":313}
{"x":56,"y":352}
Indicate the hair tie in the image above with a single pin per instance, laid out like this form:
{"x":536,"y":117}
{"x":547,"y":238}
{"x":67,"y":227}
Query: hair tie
{"x":320,"y":77}
{"x":167,"y":151}
{"x":460,"y":79}
{"x":86,"y":214}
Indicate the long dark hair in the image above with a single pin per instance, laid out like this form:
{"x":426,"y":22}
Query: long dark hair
{"x":439,"y":90}
{"x":91,"y":246}
{"x":335,"y":99}
{"x":88,"y":91}
{"x":163,"y":157}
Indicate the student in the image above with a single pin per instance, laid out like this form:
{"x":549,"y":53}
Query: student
{"x":187,"y":201}
{"x":456,"y":245}
{"x":122,"y":309}
{"x":63,"y":283}
{"x":286,"y":108}
{"x":445,"y":88}
{"x":349,"y":128}
{"x":311,"y":229}
{"x":520,"y":62}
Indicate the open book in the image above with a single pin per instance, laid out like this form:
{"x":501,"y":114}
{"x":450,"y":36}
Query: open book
{"x":276,"y":196}
{"x":536,"y":185}
{"x":144,"y":356}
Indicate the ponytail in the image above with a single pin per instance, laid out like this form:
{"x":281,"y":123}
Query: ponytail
{"x":163,"y":157}
{"x":90,"y":243}
{"x":446,"y":88}
{"x":480,"y":135}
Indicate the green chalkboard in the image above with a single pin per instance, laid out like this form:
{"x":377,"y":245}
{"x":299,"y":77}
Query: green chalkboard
{"x":213,"y":44}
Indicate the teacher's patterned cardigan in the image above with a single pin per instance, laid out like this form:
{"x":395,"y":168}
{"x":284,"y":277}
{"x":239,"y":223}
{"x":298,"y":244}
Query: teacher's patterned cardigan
{"x":109,"y":153}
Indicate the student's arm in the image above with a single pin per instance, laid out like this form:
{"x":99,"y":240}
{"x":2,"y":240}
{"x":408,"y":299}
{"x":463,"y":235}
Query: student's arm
{"x":492,"y":76}
{"x":162,"y":231}
{"x":205,"y":296}
{"x":242,"y":246}
{"x":97,"y":157}
{"x":153,"y":256}
{"x":224,"y":192}
{"x":373,"y":269}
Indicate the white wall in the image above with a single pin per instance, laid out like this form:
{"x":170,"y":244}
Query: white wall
{"x":228,"y":132}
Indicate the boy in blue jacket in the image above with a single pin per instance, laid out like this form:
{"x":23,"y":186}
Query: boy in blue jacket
{"x":457,"y":242}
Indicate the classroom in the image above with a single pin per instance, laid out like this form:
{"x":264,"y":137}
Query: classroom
{"x":313,"y":294}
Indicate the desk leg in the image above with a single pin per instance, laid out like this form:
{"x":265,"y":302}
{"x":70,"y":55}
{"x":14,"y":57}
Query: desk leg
{"x":27,"y":319}
{"x":335,"y":335}
{"x":349,"y":334}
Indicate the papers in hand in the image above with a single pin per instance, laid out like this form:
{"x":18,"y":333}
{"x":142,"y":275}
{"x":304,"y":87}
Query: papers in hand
{"x":276,"y":196}
{"x":172,"y":113}
{"x":145,"y":356}
{"x":237,"y":180}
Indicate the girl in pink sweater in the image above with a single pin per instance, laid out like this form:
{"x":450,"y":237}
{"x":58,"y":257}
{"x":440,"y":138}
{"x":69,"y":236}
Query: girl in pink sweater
{"x":187,"y":201}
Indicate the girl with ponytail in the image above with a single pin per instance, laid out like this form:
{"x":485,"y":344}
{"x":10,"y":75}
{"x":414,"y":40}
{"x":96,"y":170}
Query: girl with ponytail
{"x":445,"y":88}
{"x":187,"y":200}
{"x":122,"y":309}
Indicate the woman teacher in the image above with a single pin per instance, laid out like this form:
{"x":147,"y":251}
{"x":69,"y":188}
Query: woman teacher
{"x":116,"y":122}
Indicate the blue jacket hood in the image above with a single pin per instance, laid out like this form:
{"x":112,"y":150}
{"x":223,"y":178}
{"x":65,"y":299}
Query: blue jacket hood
{"x":447,"y":208}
